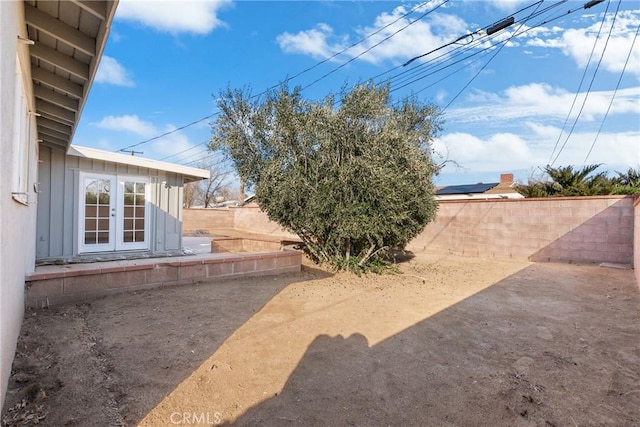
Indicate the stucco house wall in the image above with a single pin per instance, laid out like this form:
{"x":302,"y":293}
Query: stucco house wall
{"x":17,"y":211}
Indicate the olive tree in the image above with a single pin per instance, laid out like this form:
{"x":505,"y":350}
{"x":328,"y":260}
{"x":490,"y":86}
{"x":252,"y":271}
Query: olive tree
{"x":351,"y":174}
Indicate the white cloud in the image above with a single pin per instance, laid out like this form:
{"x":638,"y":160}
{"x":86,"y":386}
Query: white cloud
{"x":507,"y":151}
{"x":322,"y":42}
{"x":541,"y":101}
{"x":499,"y":152}
{"x":532,"y":117}
{"x":127,"y":123}
{"x":312,"y":42}
{"x":112,"y":72}
{"x":195,"y":17}
{"x":174,"y":143}
{"x":507,"y":5}
{"x":578,"y":43}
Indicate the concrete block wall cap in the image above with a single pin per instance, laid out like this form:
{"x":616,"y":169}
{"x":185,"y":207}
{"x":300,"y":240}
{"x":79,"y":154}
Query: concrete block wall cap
{"x":234,"y":258}
{"x":136,"y":267}
{"x":187,"y":263}
{"x":112,"y":269}
{"x":538,"y":199}
{"x":36,"y":276}
{"x":94,"y":269}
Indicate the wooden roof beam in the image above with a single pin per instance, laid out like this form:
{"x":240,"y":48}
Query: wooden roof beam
{"x":67,"y":86}
{"x":96,"y":8}
{"x":45,"y":107}
{"x":55,"y":126}
{"x":59,"y":30}
{"x":60,"y":60}
{"x":55,"y":134}
{"x":55,"y":98}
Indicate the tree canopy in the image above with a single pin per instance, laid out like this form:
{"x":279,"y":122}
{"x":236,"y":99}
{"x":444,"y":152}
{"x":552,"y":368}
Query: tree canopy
{"x":351,"y":174}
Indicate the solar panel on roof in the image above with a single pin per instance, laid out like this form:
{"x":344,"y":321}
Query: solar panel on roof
{"x":466,"y":188}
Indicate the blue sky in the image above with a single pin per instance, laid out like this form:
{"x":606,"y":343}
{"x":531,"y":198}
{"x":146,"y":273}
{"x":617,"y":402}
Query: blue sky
{"x":547,"y":89}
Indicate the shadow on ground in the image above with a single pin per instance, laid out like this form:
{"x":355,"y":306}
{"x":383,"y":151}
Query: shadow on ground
{"x":452,"y":342}
{"x":111,"y":361}
{"x":550,"y":345}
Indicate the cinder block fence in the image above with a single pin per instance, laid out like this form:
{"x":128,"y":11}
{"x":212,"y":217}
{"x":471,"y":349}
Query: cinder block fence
{"x":563,"y":229}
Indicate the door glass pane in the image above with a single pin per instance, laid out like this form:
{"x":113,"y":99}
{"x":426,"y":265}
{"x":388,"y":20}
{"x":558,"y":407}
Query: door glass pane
{"x":90,"y":238}
{"x":97,"y":197}
{"x":133,"y":218}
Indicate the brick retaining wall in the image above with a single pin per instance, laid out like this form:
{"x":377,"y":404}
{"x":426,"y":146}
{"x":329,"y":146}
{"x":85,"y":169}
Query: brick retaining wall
{"x":61,"y":284}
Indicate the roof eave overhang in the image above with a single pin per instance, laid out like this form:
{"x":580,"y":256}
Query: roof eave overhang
{"x":189,"y":173}
{"x":67,"y":40}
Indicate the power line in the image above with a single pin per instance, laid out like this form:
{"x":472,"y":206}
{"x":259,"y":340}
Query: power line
{"x":502,"y":45}
{"x":192,"y":156}
{"x":624,"y":68}
{"x":469,"y":47}
{"x":374,"y":46}
{"x":417,"y":73}
{"x":355,"y":44}
{"x":584,"y":101}
{"x":170,"y":132}
{"x":295,"y":76}
{"x":184,"y":151}
{"x":584,"y":74}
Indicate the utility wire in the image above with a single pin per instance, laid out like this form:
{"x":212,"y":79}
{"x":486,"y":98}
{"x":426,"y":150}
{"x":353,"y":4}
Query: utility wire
{"x":502,"y":45}
{"x":453,"y":53}
{"x":373,"y":46}
{"x":170,"y":132}
{"x":295,"y":76}
{"x":184,"y":151}
{"x":194,"y":156}
{"x":584,"y":101}
{"x":584,"y":74}
{"x":624,"y":68}
{"x":470,"y":47}
{"x":355,"y":43}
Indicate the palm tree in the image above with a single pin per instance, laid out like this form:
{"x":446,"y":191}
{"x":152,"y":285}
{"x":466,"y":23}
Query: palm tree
{"x":574,"y":182}
{"x":627,"y":182}
{"x":570,"y":181}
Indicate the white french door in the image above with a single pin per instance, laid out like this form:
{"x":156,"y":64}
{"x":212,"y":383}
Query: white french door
{"x":113,"y":213}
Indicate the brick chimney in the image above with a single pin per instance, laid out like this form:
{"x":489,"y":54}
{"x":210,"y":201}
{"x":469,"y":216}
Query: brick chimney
{"x":506,"y":178}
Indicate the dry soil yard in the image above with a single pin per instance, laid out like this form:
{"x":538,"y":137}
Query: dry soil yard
{"x":451,"y":342}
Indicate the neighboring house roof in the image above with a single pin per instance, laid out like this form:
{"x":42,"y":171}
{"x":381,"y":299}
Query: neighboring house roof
{"x":66,"y":41}
{"x":492,"y":190}
{"x":465,"y":188}
{"x":191,"y":174}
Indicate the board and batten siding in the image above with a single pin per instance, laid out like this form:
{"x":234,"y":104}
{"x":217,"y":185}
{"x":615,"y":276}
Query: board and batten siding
{"x":57,"y":219}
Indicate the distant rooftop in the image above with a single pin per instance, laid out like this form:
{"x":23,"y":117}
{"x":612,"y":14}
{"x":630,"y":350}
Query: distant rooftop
{"x":466,"y":188}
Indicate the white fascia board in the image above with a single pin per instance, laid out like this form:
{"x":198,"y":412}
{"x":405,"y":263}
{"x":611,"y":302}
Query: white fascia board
{"x":107,"y":156}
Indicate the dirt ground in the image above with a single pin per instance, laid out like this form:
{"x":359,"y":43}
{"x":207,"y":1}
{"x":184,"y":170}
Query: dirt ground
{"x":451,"y":342}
